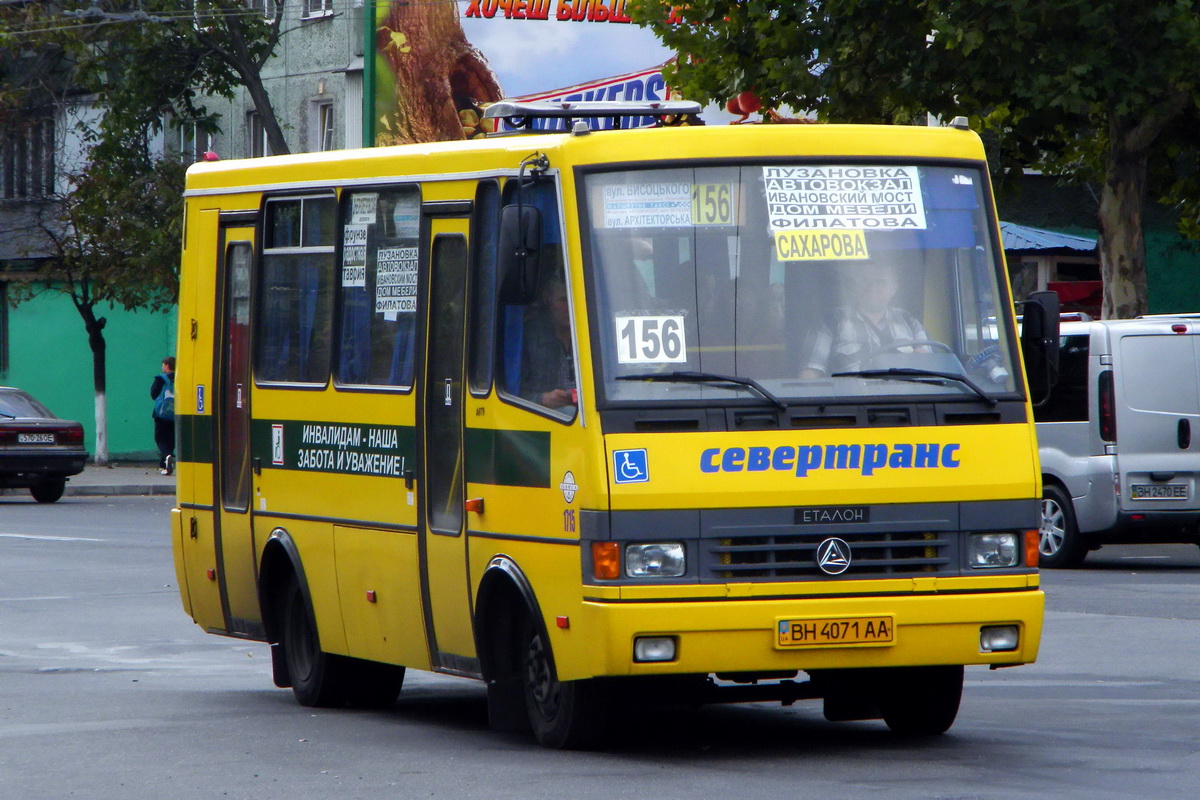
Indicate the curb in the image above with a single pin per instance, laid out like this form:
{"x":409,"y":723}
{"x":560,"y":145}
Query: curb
{"x":131,"y":490}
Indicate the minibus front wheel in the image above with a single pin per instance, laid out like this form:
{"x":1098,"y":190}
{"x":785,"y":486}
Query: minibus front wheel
{"x":920,"y":701}
{"x":569,"y":715}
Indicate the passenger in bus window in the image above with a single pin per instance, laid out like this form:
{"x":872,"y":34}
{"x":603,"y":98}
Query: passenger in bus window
{"x":547,"y":361}
{"x":867,"y":324}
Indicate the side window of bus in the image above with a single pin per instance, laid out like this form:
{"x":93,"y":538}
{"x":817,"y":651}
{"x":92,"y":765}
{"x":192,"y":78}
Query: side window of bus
{"x":378,"y":309}
{"x":296,"y":280}
{"x":536,"y":360}
{"x":482,"y":324}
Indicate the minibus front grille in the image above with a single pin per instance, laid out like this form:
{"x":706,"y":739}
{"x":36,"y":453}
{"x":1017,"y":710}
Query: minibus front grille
{"x":795,"y":556}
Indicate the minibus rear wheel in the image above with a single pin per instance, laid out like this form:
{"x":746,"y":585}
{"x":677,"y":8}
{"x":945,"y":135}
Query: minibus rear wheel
{"x":318,"y":678}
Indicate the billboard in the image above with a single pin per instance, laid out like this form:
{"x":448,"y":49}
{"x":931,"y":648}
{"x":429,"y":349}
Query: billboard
{"x":438,"y":63}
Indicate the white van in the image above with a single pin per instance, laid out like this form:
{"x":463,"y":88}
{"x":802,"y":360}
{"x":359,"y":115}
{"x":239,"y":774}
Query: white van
{"x":1119,"y":437}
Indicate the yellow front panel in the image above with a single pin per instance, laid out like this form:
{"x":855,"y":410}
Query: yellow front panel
{"x":828,"y":467}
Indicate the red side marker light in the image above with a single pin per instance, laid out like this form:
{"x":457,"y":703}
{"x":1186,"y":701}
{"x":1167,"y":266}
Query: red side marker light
{"x":212,"y":574}
{"x":1179,"y":327}
{"x":371,"y":597}
{"x":563,"y":622}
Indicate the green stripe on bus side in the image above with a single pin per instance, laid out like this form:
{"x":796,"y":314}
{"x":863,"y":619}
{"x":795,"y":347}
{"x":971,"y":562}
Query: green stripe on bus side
{"x":508,"y":458}
{"x":495,"y":457}
{"x":194,"y":438}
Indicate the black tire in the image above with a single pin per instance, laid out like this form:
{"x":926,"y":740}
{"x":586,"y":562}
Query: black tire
{"x":318,"y":678}
{"x":1059,"y":542}
{"x":567,"y":715}
{"x":921,"y":701}
{"x":49,"y":490}
{"x":371,"y":684}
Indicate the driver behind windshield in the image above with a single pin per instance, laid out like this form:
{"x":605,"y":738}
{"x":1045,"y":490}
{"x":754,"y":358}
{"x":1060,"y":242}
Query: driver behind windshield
{"x":866,"y":324}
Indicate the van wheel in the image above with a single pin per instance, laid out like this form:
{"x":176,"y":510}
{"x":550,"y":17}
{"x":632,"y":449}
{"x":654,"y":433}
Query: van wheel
{"x":921,"y":701}
{"x":49,"y":490}
{"x":568,"y":715}
{"x":1059,"y":543}
{"x":318,"y":678}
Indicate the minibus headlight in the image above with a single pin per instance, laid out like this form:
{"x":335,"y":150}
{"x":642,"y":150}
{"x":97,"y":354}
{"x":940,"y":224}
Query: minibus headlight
{"x":993,"y":550}
{"x":655,"y":560}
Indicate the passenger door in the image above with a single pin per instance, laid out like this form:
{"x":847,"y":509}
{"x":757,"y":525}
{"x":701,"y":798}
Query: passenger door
{"x":440,"y":427}
{"x":231,"y":416}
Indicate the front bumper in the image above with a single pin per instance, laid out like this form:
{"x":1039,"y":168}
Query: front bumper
{"x":739,"y":635}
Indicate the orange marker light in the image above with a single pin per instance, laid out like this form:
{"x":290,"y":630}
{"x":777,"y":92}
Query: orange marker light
{"x":474,"y":504}
{"x":606,"y":560}
{"x":1032,"y":539}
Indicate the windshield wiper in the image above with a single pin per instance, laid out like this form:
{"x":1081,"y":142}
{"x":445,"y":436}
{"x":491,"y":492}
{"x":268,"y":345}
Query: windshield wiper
{"x":915,"y":374}
{"x":705,"y":377}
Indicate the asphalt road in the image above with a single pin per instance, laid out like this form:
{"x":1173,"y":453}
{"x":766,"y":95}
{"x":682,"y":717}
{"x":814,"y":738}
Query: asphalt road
{"x":107,"y":690}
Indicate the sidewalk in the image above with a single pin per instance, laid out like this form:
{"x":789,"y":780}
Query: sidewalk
{"x":121,"y":479}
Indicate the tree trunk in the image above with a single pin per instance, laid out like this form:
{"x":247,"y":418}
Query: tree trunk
{"x":266,"y":113}
{"x":250,"y":71}
{"x":1121,"y":244}
{"x":95,"y":330}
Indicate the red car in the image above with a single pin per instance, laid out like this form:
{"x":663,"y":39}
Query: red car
{"x":38,"y":451}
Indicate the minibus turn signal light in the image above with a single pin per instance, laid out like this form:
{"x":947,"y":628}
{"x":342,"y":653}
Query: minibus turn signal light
{"x":606,"y":560}
{"x":1032,"y":540}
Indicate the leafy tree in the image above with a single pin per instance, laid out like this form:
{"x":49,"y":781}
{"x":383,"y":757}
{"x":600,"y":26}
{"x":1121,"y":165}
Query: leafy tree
{"x":153,"y":59}
{"x":114,"y":240}
{"x":1094,"y":90}
{"x":108,"y":233}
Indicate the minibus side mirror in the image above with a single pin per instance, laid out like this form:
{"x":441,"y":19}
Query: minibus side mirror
{"x":518,"y":259}
{"x":1040,"y":343}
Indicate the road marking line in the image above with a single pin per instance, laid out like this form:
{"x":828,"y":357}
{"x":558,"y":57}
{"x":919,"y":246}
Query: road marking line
{"x":40,"y":537}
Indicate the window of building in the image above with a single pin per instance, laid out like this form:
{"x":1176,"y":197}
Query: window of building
{"x":27,"y":160}
{"x":378,"y":319}
{"x":318,"y":8}
{"x":257,"y":145}
{"x":193,"y":143}
{"x":323,"y":119}
{"x":296,"y":303}
{"x":268,"y":7}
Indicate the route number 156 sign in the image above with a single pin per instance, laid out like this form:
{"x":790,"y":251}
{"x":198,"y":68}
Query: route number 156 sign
{"x":650,"y":340}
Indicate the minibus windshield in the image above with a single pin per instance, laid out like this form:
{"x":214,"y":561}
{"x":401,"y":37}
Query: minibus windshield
{"x":800,"y":282}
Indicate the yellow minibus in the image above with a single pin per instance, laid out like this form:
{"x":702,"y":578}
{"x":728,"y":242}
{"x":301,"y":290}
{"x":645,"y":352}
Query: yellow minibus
{"x":607,"y":416}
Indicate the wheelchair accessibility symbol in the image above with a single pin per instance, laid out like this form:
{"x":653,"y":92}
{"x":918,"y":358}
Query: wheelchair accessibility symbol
{"x":629,"y":466}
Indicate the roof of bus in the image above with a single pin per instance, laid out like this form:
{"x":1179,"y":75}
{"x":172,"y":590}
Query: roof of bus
{"x":601,"y":147}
